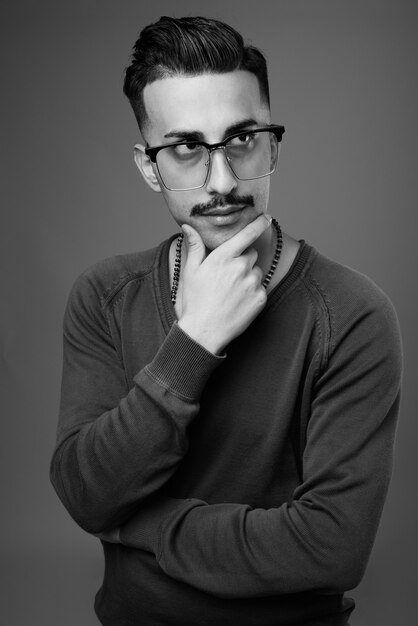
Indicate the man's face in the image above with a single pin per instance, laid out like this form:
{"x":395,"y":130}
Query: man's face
{"x":209,"y":107}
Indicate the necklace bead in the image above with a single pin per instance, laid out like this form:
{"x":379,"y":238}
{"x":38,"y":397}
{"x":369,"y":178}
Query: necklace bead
{"x":267,"y":278}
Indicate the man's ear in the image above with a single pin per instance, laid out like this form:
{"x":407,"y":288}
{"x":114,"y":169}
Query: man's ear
{"x":146,"y":168}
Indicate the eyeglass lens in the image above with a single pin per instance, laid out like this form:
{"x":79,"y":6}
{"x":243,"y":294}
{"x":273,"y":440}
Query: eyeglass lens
{"x":186,"y":166}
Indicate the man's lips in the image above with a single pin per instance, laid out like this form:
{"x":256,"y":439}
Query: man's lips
{"x":221,"y":205}
{"x":223,"y":211}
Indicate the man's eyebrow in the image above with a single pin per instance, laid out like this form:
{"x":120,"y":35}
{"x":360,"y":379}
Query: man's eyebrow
{"x":243,"y":125}
{"x":186,"y":135}
{"x":196,"y":135}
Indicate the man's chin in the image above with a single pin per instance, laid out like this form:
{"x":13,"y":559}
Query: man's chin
{"x":214,"y":240}
{"x":214,"y":237}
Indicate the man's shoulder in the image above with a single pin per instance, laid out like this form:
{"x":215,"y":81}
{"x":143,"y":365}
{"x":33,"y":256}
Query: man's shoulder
{"x":343,"y":286}
{"x":348,"y":297}
{"x":105,"y":278}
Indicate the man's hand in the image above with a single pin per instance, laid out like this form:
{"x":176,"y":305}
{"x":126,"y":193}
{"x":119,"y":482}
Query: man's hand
{"x":222,"y":293}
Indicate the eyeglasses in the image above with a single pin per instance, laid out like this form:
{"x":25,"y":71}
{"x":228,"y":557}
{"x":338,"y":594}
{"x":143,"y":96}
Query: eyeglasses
{"x":186,"y":165}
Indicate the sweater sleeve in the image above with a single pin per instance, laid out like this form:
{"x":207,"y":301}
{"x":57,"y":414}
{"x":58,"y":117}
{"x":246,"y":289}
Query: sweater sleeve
{"x":322,"y":538}
{"x":116,"y":446}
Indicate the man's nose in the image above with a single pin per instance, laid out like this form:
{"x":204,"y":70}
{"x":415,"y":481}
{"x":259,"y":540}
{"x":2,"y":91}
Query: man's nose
{"x":221,"y":179}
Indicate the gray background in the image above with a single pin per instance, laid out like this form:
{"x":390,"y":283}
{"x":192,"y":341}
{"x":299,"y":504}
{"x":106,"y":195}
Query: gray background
{"x":344,"y":82}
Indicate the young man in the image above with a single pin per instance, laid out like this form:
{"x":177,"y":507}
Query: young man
{"x":229,"y":398}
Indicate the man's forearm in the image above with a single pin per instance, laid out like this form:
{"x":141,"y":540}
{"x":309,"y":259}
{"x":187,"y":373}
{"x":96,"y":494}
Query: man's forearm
{"x":319,"y":541}
{"x":108,"y":464}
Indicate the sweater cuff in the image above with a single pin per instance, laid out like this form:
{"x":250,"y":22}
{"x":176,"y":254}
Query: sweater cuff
{"x":182,"y":365}
{"x":144,"y":529}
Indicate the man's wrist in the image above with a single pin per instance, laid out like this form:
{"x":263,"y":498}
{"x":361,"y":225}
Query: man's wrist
{"x":201,"y":336}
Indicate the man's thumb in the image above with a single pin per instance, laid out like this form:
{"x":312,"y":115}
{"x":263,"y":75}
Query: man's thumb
{"x":195,"y":246}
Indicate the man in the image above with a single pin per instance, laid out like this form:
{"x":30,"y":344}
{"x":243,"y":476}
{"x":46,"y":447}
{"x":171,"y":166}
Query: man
{"x":229,"y":398}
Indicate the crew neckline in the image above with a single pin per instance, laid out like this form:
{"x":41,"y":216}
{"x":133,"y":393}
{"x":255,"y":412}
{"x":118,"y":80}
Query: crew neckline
{"x":163,"y":283}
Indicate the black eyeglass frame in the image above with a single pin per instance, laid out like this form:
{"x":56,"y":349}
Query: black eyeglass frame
{"x":152,"y":152}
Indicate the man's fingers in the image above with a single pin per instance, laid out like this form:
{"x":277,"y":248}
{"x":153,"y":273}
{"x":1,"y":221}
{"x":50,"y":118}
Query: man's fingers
{"x":246,"y":237}
{"x":195,"y":246}
{"x":251,"y":255}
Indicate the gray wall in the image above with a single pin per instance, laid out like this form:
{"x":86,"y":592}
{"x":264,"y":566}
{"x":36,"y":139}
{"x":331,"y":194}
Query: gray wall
{"x":343,"y":81}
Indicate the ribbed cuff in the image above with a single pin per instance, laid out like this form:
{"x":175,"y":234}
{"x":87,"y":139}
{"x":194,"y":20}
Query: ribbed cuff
{"x":182,"y":365}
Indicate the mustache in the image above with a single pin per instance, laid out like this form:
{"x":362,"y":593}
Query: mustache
{"x":218,"y":201}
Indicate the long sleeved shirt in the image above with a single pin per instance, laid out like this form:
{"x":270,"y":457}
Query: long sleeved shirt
{"x":246,"y":488}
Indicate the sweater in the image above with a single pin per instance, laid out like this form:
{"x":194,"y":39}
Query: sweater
{"x":241,"y":489}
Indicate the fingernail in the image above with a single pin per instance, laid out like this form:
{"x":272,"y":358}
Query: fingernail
{"x":268,"y":218}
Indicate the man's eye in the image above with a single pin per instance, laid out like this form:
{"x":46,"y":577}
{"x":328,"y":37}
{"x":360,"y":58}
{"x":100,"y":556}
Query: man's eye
{"x":187,"y":148}
{"x":242,"y":140}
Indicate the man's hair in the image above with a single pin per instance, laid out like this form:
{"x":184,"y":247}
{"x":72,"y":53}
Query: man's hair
{"x":188,"y":46}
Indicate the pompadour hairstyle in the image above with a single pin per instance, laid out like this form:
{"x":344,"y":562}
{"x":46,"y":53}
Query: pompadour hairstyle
{"x":188,"y":46}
